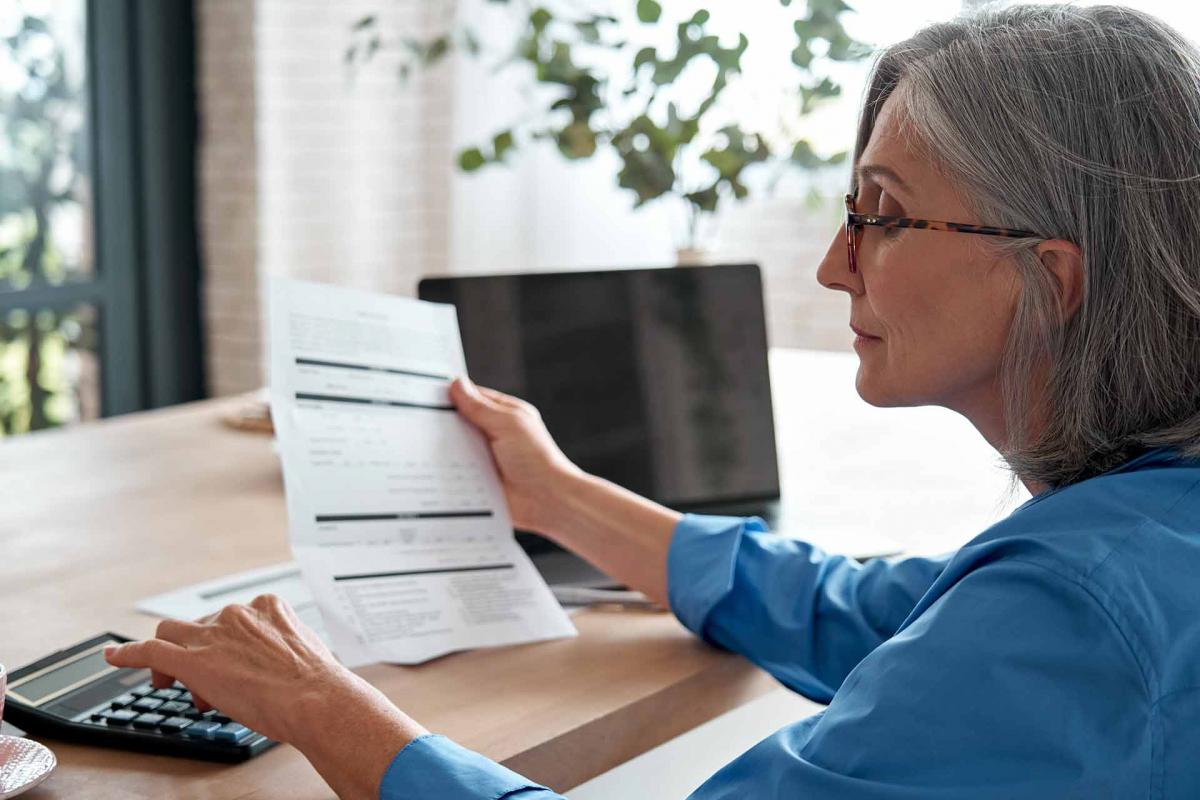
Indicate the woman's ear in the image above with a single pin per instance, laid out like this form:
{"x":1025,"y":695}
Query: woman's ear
{"x":1064,"y":260}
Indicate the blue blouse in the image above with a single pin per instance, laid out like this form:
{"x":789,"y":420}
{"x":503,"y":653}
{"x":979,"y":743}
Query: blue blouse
{"x":1055,"y":655}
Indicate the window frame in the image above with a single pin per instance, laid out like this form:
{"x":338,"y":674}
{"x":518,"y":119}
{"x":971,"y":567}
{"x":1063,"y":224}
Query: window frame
{"x":142,"y":131}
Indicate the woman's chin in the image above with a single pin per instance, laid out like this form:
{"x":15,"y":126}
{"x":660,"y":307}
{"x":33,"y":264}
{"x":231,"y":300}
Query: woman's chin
{"x":875,"y":391}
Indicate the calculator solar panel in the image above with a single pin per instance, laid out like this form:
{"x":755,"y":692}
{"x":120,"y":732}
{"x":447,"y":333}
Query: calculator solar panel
{"x":76,"y":695}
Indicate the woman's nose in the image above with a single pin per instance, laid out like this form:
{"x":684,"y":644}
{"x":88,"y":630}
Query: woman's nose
{"x":834,"y":270}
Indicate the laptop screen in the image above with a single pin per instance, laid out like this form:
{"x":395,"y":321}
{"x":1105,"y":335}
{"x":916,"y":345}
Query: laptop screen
{"x":655,"y":379}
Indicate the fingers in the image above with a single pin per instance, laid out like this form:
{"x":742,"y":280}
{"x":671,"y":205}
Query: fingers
{"x":180,"y":632}
{"x":272,"y":603}
{"x":506,"y":400}
{"x":161,"y":680}
{"x":159,"y":656}
{"x":481,"y":411}
{"x":276,"y":611}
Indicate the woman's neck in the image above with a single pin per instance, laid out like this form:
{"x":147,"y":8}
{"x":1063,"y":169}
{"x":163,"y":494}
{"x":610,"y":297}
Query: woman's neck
{"x":986,"y":412}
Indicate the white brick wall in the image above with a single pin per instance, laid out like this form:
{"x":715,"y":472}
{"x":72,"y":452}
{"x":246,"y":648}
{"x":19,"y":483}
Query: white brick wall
{"x":309,"y":171}
{"x":354,"y":166}
{"x":228,"y":176}
{"x":788,"y":239}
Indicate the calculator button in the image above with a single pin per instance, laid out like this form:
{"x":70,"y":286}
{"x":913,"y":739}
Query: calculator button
{"x":202,"y":730}
{"x":142,"y":690}
{"x":147,"y":704}
{"x":172,"y":707}
{"x":166,"y":694}
{"x":232,"y":733}
{"x":194,"y":713}
{"x":122,"y":717}
{"x":122,"y":701}
{"x":148,"y":721}
{"x":174,"y":724}
{"x":186,"y":697}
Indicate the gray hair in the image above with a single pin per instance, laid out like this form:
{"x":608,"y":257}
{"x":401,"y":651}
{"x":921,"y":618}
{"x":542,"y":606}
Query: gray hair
{"x":1081,"y":124}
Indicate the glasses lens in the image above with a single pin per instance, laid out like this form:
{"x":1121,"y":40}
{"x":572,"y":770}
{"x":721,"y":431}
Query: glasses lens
{"x":851,"y":236}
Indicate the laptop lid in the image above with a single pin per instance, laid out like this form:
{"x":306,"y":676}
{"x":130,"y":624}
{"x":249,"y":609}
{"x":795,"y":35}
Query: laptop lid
{"x":655,"y":379}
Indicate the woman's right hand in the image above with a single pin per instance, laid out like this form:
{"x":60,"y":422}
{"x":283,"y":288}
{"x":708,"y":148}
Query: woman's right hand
{"x":624,"y":535}
{"x":533,"y":470}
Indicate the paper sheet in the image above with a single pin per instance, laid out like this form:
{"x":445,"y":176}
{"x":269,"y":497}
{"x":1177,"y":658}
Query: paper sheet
{"x":201,"y":599}
{"x":396,"y":514}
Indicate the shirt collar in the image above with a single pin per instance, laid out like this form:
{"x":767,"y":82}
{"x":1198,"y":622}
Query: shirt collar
{"x":1149,"y":458}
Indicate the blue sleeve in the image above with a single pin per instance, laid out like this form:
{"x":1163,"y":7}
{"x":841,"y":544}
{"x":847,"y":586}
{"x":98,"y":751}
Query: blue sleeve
{"x":804,"y":616}
{"x":1016,"y":682}
{"x":435,"y":767}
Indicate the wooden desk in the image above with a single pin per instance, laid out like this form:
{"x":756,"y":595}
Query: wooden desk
{"x":98,"y":517}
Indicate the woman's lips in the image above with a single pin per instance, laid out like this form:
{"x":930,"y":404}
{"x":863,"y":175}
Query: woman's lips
{"x":861,"y":333}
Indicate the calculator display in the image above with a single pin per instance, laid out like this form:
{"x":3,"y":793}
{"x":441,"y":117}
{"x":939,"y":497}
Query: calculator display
{"x":41,"y":686}
{"x":74,"y":694}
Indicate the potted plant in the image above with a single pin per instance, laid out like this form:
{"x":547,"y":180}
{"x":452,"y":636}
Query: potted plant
{"x":632,"y":99}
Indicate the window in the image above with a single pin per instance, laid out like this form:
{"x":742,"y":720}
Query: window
{"x":97,"y":250}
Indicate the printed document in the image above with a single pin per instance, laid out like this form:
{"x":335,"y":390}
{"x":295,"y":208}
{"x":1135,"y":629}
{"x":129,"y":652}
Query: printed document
{"x":396,"y":513}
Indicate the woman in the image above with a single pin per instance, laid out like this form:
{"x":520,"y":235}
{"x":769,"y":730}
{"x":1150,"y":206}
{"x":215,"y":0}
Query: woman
{"x":1055,"y":655}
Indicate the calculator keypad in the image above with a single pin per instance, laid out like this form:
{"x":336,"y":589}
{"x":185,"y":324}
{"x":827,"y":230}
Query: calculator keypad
{"x":170,"y":711}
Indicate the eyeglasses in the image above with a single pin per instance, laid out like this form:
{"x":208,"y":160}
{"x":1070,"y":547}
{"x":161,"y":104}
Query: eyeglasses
{"x":855,"y":223}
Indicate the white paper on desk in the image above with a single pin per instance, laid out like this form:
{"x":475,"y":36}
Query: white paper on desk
{"x":201,"y":599}
{"x":396,"y":514}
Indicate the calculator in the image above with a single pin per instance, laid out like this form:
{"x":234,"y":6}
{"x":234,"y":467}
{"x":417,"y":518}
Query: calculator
{"x":76,"y":695}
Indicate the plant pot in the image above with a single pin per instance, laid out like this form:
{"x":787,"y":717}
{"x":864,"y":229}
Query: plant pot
{"x":692,"y":257}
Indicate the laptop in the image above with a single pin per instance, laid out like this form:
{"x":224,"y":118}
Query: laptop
{"x":655,"y":379}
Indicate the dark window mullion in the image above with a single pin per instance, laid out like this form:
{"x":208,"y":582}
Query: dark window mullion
{"x":114,"y":133}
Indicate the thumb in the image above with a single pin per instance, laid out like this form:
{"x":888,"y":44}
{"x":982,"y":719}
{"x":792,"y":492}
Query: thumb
{"x":481,"y":411}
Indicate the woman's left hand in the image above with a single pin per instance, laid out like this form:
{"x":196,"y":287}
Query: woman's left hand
{"x":264,"y":668}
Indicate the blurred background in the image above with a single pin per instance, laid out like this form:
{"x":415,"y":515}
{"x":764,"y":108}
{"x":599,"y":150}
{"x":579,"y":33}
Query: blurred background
{"x":158,"y":158}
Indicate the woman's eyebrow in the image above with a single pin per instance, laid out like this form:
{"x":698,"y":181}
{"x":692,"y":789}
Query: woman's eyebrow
{"x":864,"y":171}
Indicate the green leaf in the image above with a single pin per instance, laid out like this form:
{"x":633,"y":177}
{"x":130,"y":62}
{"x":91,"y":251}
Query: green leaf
{"x":577,"y":140}
{"x":501,"y":143}
{"x":471,"y":159}
{"x":812,"y":96}
{"x":805,"y":157}
{"x":435,"y":50}
{"x":705,"y":199}
{"x":827,"y":8}
{"x":588,"y":31}
{"x":539,"y":19}
{"x":647,"y":55}
{"x":471,"y":42}
{"x":649,"y":11}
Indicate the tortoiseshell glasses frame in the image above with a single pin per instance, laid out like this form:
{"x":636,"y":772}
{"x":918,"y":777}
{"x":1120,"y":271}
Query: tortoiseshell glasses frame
{"x":855,"y":223}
